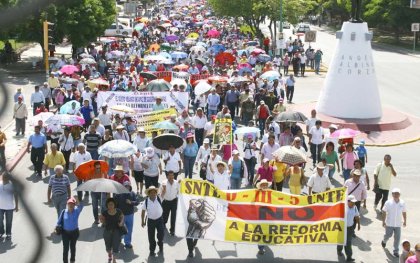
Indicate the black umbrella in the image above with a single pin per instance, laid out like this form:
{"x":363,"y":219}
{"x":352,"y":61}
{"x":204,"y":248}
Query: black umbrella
{"x":290,"y":116}
{"x":162,"y":142}
{"x":148,"y":75}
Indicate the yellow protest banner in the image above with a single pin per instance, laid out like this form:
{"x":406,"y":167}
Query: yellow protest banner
{"x":148,"y":119}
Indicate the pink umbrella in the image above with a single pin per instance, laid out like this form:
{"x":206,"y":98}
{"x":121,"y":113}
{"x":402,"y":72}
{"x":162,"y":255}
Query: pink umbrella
{"x":257,"y":51}
{"x":244,"y":65}
{"x":213,"y":33}
{"x":69,"y":69}
{"x":344,"y":133}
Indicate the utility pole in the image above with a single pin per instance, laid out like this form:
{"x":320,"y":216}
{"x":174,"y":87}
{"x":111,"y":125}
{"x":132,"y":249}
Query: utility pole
{"x":47,"y":43}
{"x":281,"y":37}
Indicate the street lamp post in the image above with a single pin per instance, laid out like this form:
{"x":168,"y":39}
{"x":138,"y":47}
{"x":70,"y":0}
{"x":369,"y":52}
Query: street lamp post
{"x":281,"y":29}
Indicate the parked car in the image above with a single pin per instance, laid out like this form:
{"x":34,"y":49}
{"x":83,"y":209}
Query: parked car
{"x":302,"y":28}
{"x":121,"y":30}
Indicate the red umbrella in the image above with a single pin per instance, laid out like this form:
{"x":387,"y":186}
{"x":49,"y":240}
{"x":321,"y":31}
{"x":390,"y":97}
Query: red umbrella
{"x":224,"y":57}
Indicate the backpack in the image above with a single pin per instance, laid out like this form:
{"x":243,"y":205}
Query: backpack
{"x":158,"y":198}
{"x":263,"y":112}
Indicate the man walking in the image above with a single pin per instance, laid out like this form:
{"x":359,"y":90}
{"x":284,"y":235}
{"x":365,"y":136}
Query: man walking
{"x":53,"y":159}
{"x":92,"y":140}
{"x":316,"y":142}
{"x":38,"y":141}
{"x":318,"y":182}
{"x":352,"y":218}
{"x":393,"y":214}
{"x":153,"y":206}
{"x":20,"y":114}
{"x":383,"y":174}
{"x":36,"y":99}
{"x":170,"y":190}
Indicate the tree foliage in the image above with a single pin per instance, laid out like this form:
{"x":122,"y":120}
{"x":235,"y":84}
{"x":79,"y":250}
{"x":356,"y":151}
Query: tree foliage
{"x":80,"y":21}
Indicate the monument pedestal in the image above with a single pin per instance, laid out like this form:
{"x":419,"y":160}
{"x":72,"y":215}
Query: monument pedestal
{"x":350,"y":89}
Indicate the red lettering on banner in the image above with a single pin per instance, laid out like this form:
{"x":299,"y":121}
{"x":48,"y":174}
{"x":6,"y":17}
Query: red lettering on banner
{"x":195,"y":77}
{"x":263,"y":196}
{"x":231,"y":196}
{"x":166,"y":75}
{"x":305,"y":213}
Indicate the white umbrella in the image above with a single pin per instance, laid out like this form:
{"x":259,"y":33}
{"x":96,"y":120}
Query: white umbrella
{"x":43,"y":116}
{"x":155,"y":58}
{"x":99,"y":82}
{"x":178,"y":82}
{"x":103,"y":185}
{"x":198,"y":48}
{"x":117,"y":149}
{"x":202,"y":87}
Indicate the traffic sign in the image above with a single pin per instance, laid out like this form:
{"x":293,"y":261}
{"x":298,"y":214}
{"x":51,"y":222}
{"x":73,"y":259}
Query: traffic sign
{"x":415,"y":27}
{"x":310,"y":36}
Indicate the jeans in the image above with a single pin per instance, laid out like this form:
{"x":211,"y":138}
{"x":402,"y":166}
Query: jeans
{"x":346,"y":174}
{"x":397,"y":236}
{"x":302,"y":69}
{"x":170,"y":207}
{"x":188,"y":166}
{"x":112,"y":240}
{"x":94,"y":154}
{"x":289,"y":93}
{"x":60,"y":202}
{"x":246,"y":118}
{"x":382,"y":194}
{"x":9,"y":219}
{"x":316,"y":153}
{"x":154,"y":226}
{"x":98,"y":199}
{"x":199,"y":136}
{"x":250,"y":166}
{"x":67,"y":158}
{"x":37,"y":158}
{"x":347,"y":248}
{"x":69,"y":242}
{"x":129,"y":222}
{"x":211,"y":112}
{"x":261,"y":126}
{"x":331,"y":173}
{"x":20,"y":125}
{"x":191,"y":243}
{"x":235,"y":183}
{"x":317,"y":65}
{"x":2,"y":158}
{"x":231,"y":106}
{"x":149,"y":180}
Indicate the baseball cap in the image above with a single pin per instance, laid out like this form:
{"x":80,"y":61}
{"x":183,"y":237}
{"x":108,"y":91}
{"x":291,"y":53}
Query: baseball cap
{"x":396,"y":190}
{"x":351,"y":198}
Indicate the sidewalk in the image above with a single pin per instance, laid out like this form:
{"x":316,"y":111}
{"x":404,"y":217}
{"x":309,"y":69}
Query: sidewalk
{"x":15,"y":145}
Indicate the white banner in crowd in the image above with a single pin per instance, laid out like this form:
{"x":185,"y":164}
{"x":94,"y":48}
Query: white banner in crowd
{"x":143,"y":101}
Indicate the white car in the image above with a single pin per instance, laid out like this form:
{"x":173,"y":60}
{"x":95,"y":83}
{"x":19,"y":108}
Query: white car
{"x":121,"y":30}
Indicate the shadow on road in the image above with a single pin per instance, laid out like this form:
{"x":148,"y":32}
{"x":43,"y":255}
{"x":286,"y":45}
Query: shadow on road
{"x":6,"y":245}
{"x":91,"y":234}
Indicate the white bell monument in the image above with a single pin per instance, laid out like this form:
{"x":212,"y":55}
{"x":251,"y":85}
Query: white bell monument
{"x":351,"y":90}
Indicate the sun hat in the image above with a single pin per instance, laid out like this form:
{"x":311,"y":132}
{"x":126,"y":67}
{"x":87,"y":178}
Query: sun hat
{"x":151,"y":188}
{"x":119,"y":168}
{"x":206,"y":140}
{"x":320,"y":165}
{"x":263,"y":181}
{"x":150,"y":152}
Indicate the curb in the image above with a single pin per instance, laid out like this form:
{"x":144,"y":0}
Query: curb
{"x":13,"y":163}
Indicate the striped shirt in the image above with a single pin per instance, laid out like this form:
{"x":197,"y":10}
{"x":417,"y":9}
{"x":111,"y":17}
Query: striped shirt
{"x":93,"y":141}
{"x":59,"y":185}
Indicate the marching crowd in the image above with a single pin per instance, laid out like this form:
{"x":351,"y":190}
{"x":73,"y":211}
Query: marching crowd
{"x":249,"y":90}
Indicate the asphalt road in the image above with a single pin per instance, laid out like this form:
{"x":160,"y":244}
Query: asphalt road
{"x":397,"y":78}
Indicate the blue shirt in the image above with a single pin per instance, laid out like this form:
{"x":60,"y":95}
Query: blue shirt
{"x":236,"y":171}
{"x":38,"y":140}
{"x":191,"y":149}
{"x":361,"y":151}
{"x":213,"y":101}
{"x":86,"y":112}
{"x":70,"y":220}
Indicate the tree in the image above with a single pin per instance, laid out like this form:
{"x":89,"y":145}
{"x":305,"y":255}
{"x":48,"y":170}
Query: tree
{"x":80,"y":21}
{"x":394,"y":15}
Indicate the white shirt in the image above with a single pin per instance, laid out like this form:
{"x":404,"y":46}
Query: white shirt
{"x":318,"y":183}
{"x":77,"y":158}
{"x":221,"y":181}
{"x":154,"y":208}
{"x":137,"y":162}
{"x":316,"y":135}
{"x":394,"y":212}
{"x":66,"y":143}
{"x":7,"y":200}
{"x":268,"y":150}
{"x":173,"y":163}
{"x":141,"y":143}
{"x":172,"y":190}
{"x":209,"y":127}
{"x":198,"y":123}
{"x":101,"y":130}
{"x":213,"y":165}
{"x":249,"y":151}
{"x":202,"y":154}
{"x":87,"y":95}
{"x":310,"y":123}
{"x":105,"y":119}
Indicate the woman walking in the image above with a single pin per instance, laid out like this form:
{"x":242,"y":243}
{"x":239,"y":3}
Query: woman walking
{"x":113,"y":220}
{"x":69,"y":223}
{"x":332,"y":159}
{"x":189,"y":153}
{"x":297,"y":179}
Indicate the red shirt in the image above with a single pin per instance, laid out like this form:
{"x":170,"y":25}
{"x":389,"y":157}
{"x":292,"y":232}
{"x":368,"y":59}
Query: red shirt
{"x":266,"y":173}
{"x":121,"y":180}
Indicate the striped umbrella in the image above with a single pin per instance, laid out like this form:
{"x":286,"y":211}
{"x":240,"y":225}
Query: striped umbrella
{"x":289,"y":155}
{"x":65,"y":120}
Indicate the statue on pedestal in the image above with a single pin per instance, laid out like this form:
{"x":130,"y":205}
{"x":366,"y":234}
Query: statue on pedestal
{"x":356,"y":11}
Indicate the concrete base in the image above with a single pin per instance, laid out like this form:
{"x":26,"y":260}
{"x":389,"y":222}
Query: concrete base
{"x":393,"y":128}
